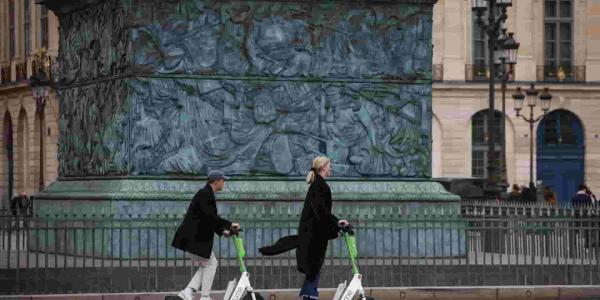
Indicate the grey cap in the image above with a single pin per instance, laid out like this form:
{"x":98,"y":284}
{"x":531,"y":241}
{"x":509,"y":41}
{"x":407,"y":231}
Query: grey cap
{"x":216,"y":175}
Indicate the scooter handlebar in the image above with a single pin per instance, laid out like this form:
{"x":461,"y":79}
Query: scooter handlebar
{"x":347,"y":229}
{"x":235,"y":231}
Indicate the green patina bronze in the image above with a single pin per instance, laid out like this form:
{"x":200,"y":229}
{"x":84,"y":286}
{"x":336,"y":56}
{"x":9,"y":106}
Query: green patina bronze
{"x":252,"y":88}
{"x":245,"y":190}
{"x":152,"y":92}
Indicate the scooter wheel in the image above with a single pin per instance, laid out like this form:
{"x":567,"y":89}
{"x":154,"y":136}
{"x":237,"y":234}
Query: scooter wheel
{"x":258,"y":296}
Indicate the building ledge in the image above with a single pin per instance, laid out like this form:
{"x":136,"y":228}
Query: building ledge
{"x":14,"y":85}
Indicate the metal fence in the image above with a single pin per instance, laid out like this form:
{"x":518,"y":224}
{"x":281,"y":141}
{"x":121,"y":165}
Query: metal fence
{"x":507,"y":203}
{"x":495,"y":208}
{"x":64,"y":254}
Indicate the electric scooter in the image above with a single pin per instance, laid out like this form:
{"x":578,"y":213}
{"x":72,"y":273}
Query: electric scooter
{"x":344,"y":291}
{"x":242,"y":290}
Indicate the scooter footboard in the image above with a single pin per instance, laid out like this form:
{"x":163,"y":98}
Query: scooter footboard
{"x":230,"y":286}
{"x":241,"y":288}
{"x":355,"y":286}
{"x":340,"y":289}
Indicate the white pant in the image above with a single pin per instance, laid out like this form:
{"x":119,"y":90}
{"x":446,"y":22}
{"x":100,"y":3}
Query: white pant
{"x":203,"y":278}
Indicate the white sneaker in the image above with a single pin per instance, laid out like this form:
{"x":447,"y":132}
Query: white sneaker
{"x":186,"y":294}
{"x":205,"y":298}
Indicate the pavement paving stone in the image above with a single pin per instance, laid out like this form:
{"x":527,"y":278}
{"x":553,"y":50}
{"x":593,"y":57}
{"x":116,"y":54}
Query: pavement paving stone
{"x":392,"y":293}
{"x":515,"y":293}
{"x":580,"y":291}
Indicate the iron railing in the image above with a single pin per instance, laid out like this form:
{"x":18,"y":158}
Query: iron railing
{"x":66,"y":254}
{"x":495,"y":208}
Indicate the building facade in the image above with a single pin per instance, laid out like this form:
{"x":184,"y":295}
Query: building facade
{"x":559,"y":49}
{"x":30,"y":127}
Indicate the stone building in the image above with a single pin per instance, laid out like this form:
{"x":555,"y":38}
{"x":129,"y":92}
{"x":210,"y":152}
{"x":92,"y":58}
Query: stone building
{"x":560,"y":50}
{"x":25,"y":28}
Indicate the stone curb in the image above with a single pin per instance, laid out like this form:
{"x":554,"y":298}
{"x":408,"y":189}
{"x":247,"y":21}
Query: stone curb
{"x":401,"y":293}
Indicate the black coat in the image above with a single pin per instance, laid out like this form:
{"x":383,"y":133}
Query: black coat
{"x":317,"y":227}
{"x":197,"y":231}
{"x":581,"y":199}
{"x":283,"y":244}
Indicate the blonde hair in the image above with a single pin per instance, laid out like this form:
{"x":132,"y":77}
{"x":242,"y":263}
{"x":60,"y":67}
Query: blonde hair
{"x":317,"y":164}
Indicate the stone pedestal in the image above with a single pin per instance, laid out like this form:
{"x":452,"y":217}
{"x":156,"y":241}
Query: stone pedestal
{"x":153,"y":92}
{"x":120,"y":218}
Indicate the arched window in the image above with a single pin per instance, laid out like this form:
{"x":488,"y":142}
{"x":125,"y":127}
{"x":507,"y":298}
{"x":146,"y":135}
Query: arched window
{"x":479,"y":139}
{"x":8,"y":146}
{"x":561,"y":128}
{"x":22,"y":170}
{"x":40,"y":166}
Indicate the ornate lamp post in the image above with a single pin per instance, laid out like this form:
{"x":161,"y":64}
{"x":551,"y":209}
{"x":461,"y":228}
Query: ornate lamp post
{"x":492,"y":27}
{"x":40,"y":83}
{"x":531,"y":95}
{"x":506,"y":53}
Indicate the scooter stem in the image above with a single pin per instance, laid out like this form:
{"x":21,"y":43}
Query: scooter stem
{"x":241,"y":252}
{"x":352,"y":251}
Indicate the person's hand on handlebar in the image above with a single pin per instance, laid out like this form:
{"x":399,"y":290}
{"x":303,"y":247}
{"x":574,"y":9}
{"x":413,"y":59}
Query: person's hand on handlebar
{"x":343,"y":223}
{"x":345,"y":227}
{"x":235,"y":226}
{"x":233,"y":229}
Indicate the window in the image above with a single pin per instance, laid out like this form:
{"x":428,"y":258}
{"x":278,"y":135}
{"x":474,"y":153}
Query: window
{"x":44,"y":26}
{"x":479,"y":148}
{"x":27,"y":27}
{"x":558,"y":40}
{"x":480,"y":48}
{"x":11,"y":28}
{"x":480,"y":51}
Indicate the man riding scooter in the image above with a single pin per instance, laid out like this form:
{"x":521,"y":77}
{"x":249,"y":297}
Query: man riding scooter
{"x":196,"y":233}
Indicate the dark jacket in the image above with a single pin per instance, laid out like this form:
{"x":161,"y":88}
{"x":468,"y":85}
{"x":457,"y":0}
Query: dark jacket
{"x":283,"y":244}
{"x":581,"y":199}
{"x":19,"y":205}
{"x":317,"y":227}
{"x":197,"y":231}
{"x":529,"y":194}
{"x":515,"y":196}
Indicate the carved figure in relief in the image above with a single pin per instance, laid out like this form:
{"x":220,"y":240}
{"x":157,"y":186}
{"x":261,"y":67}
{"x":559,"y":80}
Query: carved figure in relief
{"x":255,"y":90}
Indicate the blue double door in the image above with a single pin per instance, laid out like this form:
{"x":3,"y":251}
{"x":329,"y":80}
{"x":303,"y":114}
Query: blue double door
{"x":561,"y":153}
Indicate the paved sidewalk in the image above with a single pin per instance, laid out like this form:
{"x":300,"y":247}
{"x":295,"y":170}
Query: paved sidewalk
{"x":391,"y":293}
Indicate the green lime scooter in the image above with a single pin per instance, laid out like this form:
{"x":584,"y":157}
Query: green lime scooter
{"x":242,"y":290}
{"x":347,"y":292}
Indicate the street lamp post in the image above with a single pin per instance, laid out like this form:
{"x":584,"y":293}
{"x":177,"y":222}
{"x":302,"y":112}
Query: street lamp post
{"x":506,"y":53}
{"x":531,"y":95}
{"x":491,"y":27}
{"x":40,"y":83}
